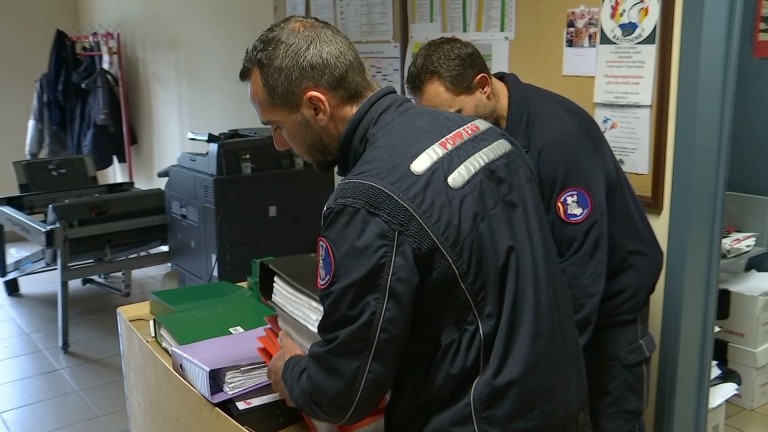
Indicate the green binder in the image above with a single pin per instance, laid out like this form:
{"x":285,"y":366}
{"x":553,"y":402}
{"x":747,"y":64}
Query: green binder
{"x":180,"y":299}
{"x":219,"y":319}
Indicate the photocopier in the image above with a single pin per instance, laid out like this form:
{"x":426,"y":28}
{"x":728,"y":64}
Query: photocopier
{"x":239,"y":201}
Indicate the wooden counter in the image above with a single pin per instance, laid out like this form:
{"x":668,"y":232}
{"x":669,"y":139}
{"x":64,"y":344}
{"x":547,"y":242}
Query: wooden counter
{"x":157,"y":398}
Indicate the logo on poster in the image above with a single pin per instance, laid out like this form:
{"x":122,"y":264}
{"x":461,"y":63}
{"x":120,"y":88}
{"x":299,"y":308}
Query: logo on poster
{"x":628,"y":22}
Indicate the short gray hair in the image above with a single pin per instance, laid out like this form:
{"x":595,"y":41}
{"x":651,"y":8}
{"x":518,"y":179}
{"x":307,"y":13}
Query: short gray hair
{"x":302,"y":53}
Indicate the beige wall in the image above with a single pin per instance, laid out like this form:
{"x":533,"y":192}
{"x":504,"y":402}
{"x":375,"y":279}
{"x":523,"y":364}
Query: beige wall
{"x":26,"y":33}
{"x":182,"y":61}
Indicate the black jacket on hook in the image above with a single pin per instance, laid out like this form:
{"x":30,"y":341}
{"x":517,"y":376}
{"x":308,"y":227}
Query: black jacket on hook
{"x":96,"y":126}
{"x":63,"y":61}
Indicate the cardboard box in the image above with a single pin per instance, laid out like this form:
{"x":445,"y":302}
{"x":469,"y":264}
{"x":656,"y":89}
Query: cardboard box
{"x":752,"y":365}
{"x":747,"y":323}
{"x":716,"y":419}
{"x":753,"y":392}
{"x":754,"y":358}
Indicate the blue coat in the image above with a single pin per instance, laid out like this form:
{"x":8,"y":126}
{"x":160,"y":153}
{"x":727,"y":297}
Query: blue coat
{"x":440,"y":284}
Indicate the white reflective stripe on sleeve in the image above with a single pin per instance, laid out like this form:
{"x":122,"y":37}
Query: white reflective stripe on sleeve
{"x":458,"y":277}
{"x":378,"y":329}
{"x":471,"y":166}
{"x":436,"y":151}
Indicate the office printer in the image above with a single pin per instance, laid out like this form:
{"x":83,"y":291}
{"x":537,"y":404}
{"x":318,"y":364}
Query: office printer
{"x":240,"y":200}
{"x":237,"y":151}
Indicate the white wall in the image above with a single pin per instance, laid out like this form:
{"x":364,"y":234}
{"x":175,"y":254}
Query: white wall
{"x":182,"y":59}
{"x":26,"y":33}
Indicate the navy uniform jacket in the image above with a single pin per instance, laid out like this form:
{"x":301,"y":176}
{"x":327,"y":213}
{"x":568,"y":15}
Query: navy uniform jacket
{"x":439,"y":283}
{"x":608,"y":251}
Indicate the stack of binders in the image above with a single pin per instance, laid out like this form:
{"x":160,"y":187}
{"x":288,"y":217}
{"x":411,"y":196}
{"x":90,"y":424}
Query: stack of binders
{"x":209,"y":321}
{"x":212,"y":332}
{"x":288,"y":283}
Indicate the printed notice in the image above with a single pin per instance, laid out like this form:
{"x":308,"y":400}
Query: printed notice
{"x":295,"y":7}
{"x":421,"y":11}
{"x":495,"y":19}
{"x":453,"y":16}
{"x":580,"y":41}
{"x":626,"y":53}
{"x":365,"y":20}
{"x":383,"y":63}
{"x":495,"y":52}
{"x":322,"y":10}
{"x":627,"y":130}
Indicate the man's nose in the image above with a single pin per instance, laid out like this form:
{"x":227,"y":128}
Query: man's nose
{"x":281,"y":143}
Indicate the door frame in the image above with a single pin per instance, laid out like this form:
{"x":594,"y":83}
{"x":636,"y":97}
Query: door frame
{"x":706,"y":89}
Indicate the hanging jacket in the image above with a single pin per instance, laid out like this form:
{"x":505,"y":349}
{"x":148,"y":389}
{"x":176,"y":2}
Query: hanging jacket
{"x":63,"y":61}
{"x":97,"y":126}
{"x":43,"y":140}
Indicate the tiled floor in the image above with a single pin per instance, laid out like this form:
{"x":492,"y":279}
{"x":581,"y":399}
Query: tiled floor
{"x":42,"y":389}
{"x":738,"y":419}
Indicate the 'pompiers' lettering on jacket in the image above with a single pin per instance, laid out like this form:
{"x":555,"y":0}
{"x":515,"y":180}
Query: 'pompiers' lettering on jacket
{"x":441,"y":148}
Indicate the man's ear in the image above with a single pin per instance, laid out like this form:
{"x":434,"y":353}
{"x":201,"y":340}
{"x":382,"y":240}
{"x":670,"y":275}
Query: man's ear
{"x":484,"y":84}
{"x":315,"y":105}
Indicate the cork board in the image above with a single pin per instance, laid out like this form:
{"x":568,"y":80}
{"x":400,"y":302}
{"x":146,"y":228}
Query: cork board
{"x":536,"y":56}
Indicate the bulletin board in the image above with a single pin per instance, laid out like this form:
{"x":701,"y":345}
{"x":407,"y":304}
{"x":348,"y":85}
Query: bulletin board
{"x":536,"y":56}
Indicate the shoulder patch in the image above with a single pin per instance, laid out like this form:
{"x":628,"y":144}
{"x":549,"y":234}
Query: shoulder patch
{"x":574,"y":205}
{"x":325,"y":264}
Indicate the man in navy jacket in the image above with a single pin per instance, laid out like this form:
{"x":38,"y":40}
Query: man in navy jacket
{"x":606,"y":246}
{"x":437,"y":274}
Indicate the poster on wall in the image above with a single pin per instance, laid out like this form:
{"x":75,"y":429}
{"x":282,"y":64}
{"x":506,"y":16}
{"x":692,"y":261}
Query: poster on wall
{"x":761,"y":30}
{"x":626,"y":53}
{"x":580,"y":41}
{"x":322,"y":10}
{"x":295,"y":7}
{"x":366,"y":20}
{"x":627,"y":130}
{"x":474,"y":19}
{"x":383,"y":63}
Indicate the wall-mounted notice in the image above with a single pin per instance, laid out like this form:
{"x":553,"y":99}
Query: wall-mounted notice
{"x":495,"y":19}
{"x":495,"y":52}
{"x":626,"y":54}
{"x":580,"y":41}
{"x":383,"y":62}
{"x":323,"y":10}
{"x":295,"y":7}
{"x":365,"y":20}
{"x":421,"y":11}
{"x":627,"y":130}
{"x":453,"y":16}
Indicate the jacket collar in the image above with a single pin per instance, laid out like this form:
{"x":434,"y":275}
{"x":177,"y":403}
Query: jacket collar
{"x":354,"y":139}
{"x":517,"y":109}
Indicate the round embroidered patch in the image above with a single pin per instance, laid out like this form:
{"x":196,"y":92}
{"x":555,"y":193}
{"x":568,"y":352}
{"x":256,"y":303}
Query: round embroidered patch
{"x":324,"y":263}
{"x":574,"y":205}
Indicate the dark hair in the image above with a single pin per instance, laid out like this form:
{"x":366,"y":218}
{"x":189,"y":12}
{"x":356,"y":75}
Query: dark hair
{"x":300,"y":53}
{"x":453,"y":61}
